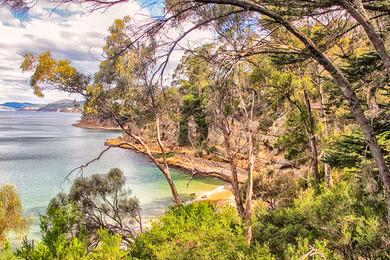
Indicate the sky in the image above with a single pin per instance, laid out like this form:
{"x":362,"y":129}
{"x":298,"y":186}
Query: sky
{"x":69,"y":32}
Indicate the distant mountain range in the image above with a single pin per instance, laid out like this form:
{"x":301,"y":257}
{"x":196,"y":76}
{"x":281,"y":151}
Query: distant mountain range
{"x":64,"y":105}
{"x":16,"y":105}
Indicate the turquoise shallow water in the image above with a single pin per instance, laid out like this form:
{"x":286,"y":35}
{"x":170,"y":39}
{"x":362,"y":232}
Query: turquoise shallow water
{"x":38,"y":149}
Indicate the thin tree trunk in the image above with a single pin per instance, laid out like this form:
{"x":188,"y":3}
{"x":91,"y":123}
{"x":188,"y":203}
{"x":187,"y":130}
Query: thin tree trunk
{"x":247,"y":217}
{"x":327,"y":167}
{"x":163,"y":168}
{"x":175,"y":194}
{"x":372,"y":102}
{"x":314,"y":157}
{"x":249,"y":192}
{"x":337,"y":75}
{"x":312,"y":137}
{"x":233,"y":169}
{"x":360,"y":16}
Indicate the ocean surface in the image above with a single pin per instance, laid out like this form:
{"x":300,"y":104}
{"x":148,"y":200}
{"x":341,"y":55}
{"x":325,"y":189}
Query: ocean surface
{"x":38,"y":149}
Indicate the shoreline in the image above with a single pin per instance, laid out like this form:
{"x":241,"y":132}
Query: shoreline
{"x":219,"y":194}
{"x":80,"y":124}
{"x":186,"y":163}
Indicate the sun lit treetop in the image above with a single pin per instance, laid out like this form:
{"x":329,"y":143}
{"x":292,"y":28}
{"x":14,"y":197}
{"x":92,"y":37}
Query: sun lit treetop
{"x":53,"y":74}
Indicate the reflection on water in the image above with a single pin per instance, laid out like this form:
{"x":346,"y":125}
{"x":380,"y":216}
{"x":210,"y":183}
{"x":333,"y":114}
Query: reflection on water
{"x":38,"y":149}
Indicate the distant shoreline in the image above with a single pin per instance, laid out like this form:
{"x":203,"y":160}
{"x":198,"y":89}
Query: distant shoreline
{"x":81,"y":124}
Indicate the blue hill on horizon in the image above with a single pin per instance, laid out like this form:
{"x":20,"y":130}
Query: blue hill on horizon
{"x":17,"y":105}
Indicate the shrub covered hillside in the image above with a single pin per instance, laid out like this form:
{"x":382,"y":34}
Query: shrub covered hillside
{"x":340,"y":222}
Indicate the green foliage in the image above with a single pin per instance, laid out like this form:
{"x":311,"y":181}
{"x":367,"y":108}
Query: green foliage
{"x":349,"y":149}
{"x":361,"y":66}
{"x":193,"y":78}
{"x":11,"y":213}
{"x":103,"y":202}
{"x":196,"y":231}
{"x":193,"y":107}
{"x":318,"y":251}
{"x":294,"y":140}
{"x":6,"y":252}
{"x":212,"y":150}
{"x":277,"y":190}
{"x":98,"y":214}
{"x":342,"y":220}
{"x":62,"y":221}
{"x":48,"y":72}
{"x":109,"y":247}
{"x":71,"y":248}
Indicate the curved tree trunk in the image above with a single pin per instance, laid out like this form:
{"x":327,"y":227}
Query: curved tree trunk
{"x":163,"y":168}
{"x":175,"y":194}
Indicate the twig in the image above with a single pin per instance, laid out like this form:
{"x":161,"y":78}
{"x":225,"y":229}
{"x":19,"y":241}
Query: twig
{"x":81,"y":167}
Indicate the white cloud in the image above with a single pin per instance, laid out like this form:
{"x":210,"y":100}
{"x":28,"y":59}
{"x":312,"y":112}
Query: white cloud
{"x":69,"y":32}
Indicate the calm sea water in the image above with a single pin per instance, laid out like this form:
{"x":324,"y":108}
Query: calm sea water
{"x":38,"y":149}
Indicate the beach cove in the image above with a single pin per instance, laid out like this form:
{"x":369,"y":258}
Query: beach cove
{"x":38,"y":150}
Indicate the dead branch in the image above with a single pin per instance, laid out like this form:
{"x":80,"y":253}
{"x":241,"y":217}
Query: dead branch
{"x":81,"y":167}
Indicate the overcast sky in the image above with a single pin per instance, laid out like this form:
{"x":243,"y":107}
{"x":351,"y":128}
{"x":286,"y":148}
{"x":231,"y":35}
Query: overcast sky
{"x":69,"y":32}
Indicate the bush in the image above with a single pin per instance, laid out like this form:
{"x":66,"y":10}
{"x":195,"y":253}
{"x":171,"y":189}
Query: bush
{"x":109,"y":247}
{"x":94,"y":219}
{"x":340,"y":220}
{"x":197,"y":231}
{"x":6,"y":252}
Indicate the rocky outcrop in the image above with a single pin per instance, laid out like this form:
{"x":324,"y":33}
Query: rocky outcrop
{"x":95,"y":122}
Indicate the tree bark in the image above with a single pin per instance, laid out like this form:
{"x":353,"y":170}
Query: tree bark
{"x":233,"y":169}
{"x":249,"y":191}
{"x":163,"y":168}
{"x":251,"y":157}
{"x":312,"y":137}
{"x":175,"y":194}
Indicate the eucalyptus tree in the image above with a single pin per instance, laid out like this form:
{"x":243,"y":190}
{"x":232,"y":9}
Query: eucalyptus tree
{"x":192,"y":78}
{"x":235,"y":105}
{"x":297,"y":92}
{"x":283,"y":14}
{"x":93,"y":203}
{"x":234,"y":108}
{"x":49,"y":73}
{"x":137,"y":101}
{"x":122,"y":89}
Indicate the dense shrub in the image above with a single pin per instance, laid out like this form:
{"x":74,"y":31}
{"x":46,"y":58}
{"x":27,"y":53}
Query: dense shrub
{"x":109,"y":247}
{"x":340,"y":220}
{"x":197,"y":231}
{"x":346,"y":221}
